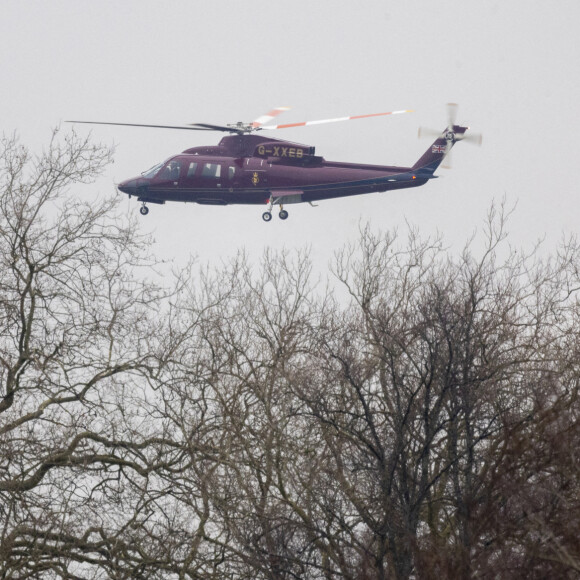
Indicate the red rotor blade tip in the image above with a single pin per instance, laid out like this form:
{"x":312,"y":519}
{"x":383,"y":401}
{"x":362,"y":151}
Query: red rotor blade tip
{"x":269,"y":116}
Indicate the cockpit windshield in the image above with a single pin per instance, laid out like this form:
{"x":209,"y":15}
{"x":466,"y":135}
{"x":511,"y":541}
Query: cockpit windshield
{"x":150,"y":173}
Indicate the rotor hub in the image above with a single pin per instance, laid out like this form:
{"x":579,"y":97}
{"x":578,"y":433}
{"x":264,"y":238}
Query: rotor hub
{"x":450,"y":136}
{"x":241,"y":127}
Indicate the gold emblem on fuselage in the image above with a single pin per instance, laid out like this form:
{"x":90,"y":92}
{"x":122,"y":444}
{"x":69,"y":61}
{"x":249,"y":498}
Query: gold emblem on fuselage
{"x":255,"y":178}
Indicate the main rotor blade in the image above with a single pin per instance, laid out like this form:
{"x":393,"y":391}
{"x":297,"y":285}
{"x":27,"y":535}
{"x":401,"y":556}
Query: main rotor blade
{"x":197,"y":127}
{"x":269,"y":116}
{"x":256,"y":125}
{"x":304,"y":123}
{"x":208,"y":127}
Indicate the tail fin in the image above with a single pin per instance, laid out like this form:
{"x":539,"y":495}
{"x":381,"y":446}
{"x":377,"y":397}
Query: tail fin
{"x":433,"y":157}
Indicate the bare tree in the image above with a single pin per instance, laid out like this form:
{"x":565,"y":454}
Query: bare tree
{"x":418,"y":417}
{"x":76,"y":324}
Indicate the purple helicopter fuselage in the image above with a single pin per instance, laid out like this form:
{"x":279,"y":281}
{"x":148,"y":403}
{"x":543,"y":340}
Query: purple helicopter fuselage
{"x":252,"y":169}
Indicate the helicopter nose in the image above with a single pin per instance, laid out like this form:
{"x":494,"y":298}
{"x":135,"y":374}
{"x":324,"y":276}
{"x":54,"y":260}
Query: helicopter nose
{"x":129,"y":186}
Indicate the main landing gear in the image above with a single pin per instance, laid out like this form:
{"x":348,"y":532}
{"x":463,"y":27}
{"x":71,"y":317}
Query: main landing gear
{"x":267,"y":215}
{"x":143,"y":210}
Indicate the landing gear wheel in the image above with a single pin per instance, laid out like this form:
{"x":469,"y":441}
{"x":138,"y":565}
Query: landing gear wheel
{"x":283,"y":214}
{"x":266,"y":216}
{"x":143,"y":210}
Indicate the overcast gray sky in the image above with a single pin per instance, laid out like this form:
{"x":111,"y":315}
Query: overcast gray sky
{"x":512,"y":65}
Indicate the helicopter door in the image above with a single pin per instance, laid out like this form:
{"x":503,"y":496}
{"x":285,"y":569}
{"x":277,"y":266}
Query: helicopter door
{"x":211,"y":175}
{"x":231,"y":177}
{"x":189,"y":173}
{"x":255,"y":174}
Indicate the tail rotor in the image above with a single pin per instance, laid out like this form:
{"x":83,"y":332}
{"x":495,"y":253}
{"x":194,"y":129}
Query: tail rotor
{"x":452,"y":134}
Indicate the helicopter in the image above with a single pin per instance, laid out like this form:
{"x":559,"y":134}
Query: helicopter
{"x":246,"y":168}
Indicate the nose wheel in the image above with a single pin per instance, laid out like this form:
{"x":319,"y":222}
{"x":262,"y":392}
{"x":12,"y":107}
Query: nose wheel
{"x":143,"y":210}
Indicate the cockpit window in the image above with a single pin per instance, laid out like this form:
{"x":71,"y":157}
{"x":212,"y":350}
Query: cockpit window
{"x":171,"y":171}
{"x":153,"y":171}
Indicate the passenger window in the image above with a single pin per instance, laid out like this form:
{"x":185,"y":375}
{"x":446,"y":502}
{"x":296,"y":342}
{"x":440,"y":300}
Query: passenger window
{"x":231,"y":172}
{"x":191,"y":170}
{"x":211,"y":170}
